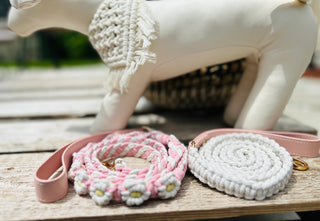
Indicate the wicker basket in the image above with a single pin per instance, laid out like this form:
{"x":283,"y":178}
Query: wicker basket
{"x":205,"y":88}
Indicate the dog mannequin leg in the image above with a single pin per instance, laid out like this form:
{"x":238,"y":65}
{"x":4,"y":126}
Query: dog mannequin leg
{"x":239,"y":97}
{"x":277,"y":77}
{"x":269,"y":95}
{"x":283,"y":60}
{"x":279,"y":70}
{"x":116,"y":108}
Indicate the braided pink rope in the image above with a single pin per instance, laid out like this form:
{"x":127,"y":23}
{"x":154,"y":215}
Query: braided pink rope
{"x":162,"y":179}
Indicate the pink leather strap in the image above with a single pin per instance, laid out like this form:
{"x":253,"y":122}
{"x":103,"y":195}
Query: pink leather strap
{"x":51,"y":190}
{"x":297,"y":144}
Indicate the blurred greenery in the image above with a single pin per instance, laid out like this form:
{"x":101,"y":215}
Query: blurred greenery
{"x":4,"y":8}
{"x":50,"y":48}
{"x":48,"y":63}
{"x":66,"y":47}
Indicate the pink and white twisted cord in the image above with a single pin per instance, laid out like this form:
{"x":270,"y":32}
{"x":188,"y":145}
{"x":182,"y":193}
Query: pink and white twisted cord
{"x":162,"y":179}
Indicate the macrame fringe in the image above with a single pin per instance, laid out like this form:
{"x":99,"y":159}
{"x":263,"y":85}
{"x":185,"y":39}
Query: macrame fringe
{"x":147,"y":30}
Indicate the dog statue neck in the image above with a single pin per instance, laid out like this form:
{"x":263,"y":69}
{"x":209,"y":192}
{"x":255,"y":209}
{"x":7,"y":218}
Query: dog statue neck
{"x":28,"y":16}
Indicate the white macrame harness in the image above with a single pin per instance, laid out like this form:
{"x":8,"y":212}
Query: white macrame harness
{"x":121,"y":31}
{"x":245,"y":165}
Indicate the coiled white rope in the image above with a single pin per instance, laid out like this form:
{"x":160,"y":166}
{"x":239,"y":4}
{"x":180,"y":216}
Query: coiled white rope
{"x":245,"y":165}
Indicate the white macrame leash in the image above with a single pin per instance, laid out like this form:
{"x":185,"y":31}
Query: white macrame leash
{"x":162,"y":179}
{"x":244,"y":165}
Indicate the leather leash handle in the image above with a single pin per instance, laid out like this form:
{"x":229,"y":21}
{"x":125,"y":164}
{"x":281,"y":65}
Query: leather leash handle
{"x":297,"y":144}
{"x":51,"y":190}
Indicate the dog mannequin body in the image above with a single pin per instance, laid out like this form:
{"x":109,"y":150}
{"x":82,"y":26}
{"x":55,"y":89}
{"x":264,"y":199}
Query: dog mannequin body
{"x":277,"y":37}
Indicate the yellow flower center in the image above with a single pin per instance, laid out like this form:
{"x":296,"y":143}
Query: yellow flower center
{"x":170,"y":187}
{"x":79,"y":183}
{"x":99,"y":193}
{"x":135,"y":194}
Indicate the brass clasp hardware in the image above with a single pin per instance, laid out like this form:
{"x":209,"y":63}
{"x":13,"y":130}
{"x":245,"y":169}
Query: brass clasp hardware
{"x":146,"y":128}
{"x":193,"y":143}
{"x":299,"y":164}
{"x":110,"y":164}
{"x":198,"y":144}
{"x":113,"y":164}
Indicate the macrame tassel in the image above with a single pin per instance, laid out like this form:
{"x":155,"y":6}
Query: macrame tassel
{"x":146,"y":31}
{"x":122,"y":32}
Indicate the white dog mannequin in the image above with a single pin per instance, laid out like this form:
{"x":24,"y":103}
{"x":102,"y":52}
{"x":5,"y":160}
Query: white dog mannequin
{"x":277,"y":37}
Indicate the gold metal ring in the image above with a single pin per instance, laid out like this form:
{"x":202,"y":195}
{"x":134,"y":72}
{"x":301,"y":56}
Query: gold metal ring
{"x":299,"y":164}
{"x":146,"y":128}
{"x":110,"y":165}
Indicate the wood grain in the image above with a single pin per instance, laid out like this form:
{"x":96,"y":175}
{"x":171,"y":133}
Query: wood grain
{"x":188,"y":124}
{"x":50,"y":97}
{"x":64,"y":92}
{"x":69,"y":107}
{"x":41,"y":135}
{"x":194,"y":200}
{"x":51,"y":134}
{"x":74,"y":93}
{"x":48,"y":79}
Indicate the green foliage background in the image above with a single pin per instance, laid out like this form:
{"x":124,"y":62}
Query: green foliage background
{"x":63,"y":46}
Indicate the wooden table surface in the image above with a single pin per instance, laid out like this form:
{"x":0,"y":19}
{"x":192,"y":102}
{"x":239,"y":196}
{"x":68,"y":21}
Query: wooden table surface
{"x":40,"y":112}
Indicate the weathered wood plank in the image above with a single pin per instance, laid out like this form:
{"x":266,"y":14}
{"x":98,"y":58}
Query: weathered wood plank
{"x":53,"y":102}
{"x":187,"y":125}
{"x":52,"y":94}
{"x":68,"y":107}
{"x":41,"y":135}
{"x":41,"y":79}
{"x":77,"y":92}
{"x":194,"y":200}
{"x":51,"y":134}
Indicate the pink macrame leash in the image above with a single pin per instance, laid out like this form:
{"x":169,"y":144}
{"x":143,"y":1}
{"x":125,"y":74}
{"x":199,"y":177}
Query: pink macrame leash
{"x":167,"y":155}
{"x":51,"y":190}
{"x":162,"y":179}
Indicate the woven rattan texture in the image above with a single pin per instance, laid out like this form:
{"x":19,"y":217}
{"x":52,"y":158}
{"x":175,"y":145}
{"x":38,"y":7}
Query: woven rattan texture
{"x":208,"y":87}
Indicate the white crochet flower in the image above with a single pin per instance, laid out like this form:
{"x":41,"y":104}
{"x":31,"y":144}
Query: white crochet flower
{"x":98,"y":191}
{"x":170,"y":186}
{"x":135,"y":193}
{"x":95,"y":174}
{"x":79,"y":185}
